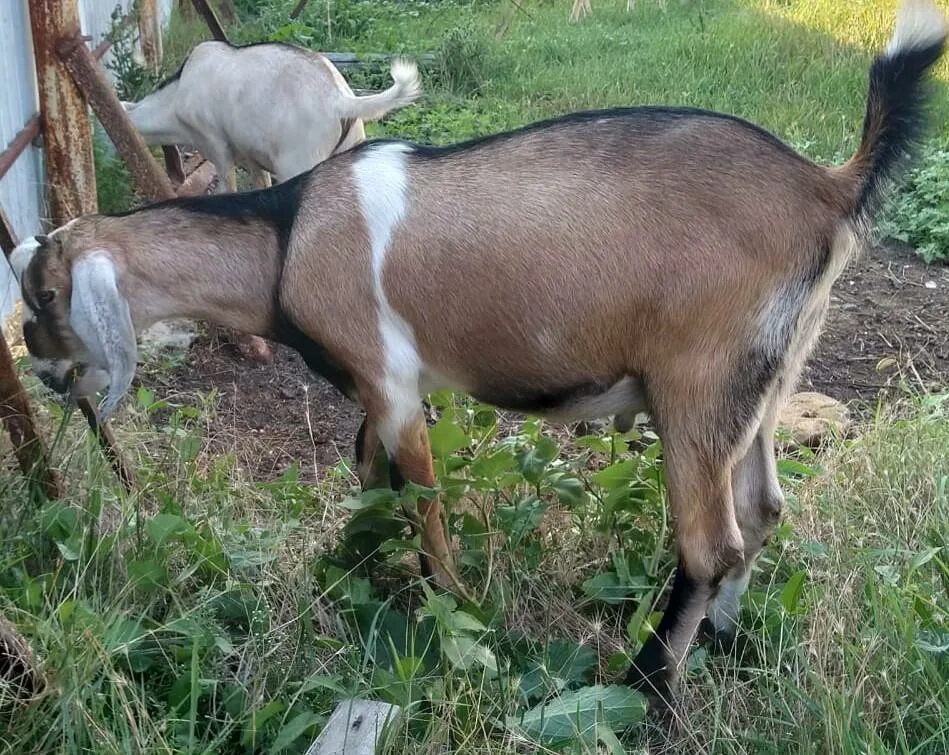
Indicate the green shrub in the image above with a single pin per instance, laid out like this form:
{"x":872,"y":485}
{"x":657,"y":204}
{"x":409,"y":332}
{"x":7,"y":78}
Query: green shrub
{"x":919,"y":215}
{"x":461,"y":62}
{"x":132,"y":80}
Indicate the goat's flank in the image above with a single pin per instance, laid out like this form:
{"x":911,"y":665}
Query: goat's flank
{"x":666,"y":259}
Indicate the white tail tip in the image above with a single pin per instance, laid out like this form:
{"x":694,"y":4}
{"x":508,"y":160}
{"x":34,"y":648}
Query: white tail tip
{"x":919,"y":24}
{"x":406,"y":76}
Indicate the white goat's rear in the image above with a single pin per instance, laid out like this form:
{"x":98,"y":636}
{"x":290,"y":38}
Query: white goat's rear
{"x":270,"y":108}
{"x":662,"y":258}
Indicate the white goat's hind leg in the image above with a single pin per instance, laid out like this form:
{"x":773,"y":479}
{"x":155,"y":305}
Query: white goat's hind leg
{"x":223,"y":162}
{"x":758,"y":504}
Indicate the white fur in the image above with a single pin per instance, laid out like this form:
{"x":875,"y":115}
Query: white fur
{"x":267,"y":108}
{"x":382,"y":184}
{"x":21,"y":257}
{"x":919,"y":24}
{"x":724,"y":609}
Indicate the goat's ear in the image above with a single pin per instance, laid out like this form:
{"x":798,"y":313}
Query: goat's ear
{"x":99,"y":315}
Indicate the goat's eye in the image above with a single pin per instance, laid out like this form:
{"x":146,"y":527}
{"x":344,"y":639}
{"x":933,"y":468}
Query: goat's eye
{"x":45,"y":297}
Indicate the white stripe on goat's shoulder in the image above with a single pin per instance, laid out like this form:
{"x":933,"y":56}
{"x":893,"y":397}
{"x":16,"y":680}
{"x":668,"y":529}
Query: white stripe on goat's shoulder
{"x":382,"y":183}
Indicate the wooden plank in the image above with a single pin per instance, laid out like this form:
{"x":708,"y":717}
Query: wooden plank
{"x":148,"y":179}
{"x":355,"y":728}
{"x":149,"y":34}
{"x":197,"y":183}
{"x":67,"y":135}
{"x":204,"y":9}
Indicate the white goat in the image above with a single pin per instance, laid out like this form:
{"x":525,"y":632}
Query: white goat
{"x":667,"y":259}
{"x":271,"y":108}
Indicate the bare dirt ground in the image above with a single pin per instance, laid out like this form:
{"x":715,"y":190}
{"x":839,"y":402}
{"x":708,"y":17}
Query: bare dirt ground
{"x":889,"y":322}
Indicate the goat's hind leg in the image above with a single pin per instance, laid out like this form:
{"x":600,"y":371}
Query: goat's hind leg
{"x":700,"y":446}
{"x":758,"y":505}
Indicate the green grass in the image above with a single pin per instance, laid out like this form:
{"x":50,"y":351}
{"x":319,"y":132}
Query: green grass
{"x":208,"y":613}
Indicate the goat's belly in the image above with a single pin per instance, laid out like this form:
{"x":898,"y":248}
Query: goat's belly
{"x":592,"y":399}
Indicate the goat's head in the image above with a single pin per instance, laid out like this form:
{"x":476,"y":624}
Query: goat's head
{"x":76,"y":322}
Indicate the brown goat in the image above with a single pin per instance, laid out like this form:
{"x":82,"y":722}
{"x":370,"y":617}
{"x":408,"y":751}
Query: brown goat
{"x":654,"y":258}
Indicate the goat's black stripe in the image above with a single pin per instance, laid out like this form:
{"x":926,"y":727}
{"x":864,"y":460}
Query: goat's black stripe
{"x":277,"y":206}
{"x":636,"y":118}
{"x":315,"y":355}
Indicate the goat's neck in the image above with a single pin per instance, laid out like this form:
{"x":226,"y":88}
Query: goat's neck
{"x":202,"y":267}
{"x":155,"y":117}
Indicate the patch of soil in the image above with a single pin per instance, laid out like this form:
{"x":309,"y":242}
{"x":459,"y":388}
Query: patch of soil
{"x":267,"y":415}
{"x":888,"y":305}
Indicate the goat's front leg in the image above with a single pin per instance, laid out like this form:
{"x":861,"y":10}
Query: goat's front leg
{"x":372,"y":463}
{"x":405,"y":438}
{"x":709,"y":542}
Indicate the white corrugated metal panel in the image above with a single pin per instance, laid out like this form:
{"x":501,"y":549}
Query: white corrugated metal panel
{"x":21,"y":188}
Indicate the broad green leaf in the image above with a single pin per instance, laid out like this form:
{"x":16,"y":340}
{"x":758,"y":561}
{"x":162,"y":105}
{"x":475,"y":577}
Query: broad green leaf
{"x":162,"y":527}
{"x":259,"y":718}
{"x":923,"y":557}
{"x":569,"y":490}
{"x":933,"y":642}
{"x":615,"y":475}
{"x":322,"y":681}
{"x":791,"y":592}
{"x":609,"y":588}
{"x":535,"y":459}
{"x":463,"y":652}
{"x":579,"y":713}
{"x":792,"y":468}
{"x":445,"y":438}
{"x":293,"y":730}
{"x":490,"y":466}
{"x":147,"y":573}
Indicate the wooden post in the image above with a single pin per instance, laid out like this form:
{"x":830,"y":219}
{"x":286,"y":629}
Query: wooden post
{"x":147,"y":176}
{"x":227,"y":11}
{"x":204,"y":9}
{"x":67,"y":135}
{"x":149,"y":34}
{"x":15,"y":410}
{"x":355,"y":728}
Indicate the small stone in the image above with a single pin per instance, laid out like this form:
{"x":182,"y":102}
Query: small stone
{"x":810,"y":418}
{"x":930,"y":284}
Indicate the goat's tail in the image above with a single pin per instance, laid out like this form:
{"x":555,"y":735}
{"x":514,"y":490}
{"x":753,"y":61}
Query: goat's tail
{"x":895,"y":103}
{"x":406,"y":88}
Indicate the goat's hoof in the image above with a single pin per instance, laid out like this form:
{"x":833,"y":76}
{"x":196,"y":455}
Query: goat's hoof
{"x":254,"y":349}
{"x":651,"y":675}
{"x":720,"y":640}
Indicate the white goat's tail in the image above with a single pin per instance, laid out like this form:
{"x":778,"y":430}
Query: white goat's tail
{"x":406,"y":88}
